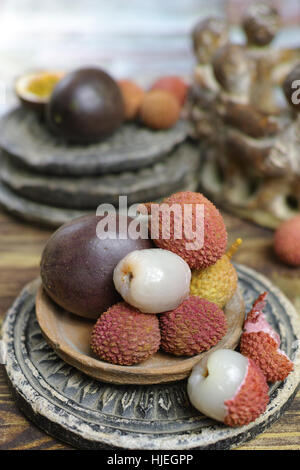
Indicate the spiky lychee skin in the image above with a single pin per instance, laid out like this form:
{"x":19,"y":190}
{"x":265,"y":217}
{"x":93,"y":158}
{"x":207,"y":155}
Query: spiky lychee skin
{"x":217,"y":283}
{"x":264,"y":351}
{"x":287,"y":241}
{"x":261,"y":343}
{"x":159,"y":110}
{"x":228,"y":387}
{"x":174,"y":85}
{"x":132,"y":95}
{"x":125,"y":336}
{"x":193,"y":327}
{"x":250,"y":401}
{"x":214,"y":230}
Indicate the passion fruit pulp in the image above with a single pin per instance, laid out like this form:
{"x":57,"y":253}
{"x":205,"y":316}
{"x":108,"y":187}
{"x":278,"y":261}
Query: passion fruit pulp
{"x":34,"y":89}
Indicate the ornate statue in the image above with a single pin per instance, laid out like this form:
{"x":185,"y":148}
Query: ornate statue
{"x":244,"y":117}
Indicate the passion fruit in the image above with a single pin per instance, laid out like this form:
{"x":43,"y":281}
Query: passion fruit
{"x":85,"y":106}
{"x":77,"y":266}
{"x":34,"y":89}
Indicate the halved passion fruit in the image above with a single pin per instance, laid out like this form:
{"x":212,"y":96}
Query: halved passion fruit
{"x":34,"y":89}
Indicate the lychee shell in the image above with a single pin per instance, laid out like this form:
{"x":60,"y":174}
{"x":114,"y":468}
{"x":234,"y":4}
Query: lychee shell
{"x":174,"y":85}
{"x":287,"y":241}
{"x":125,"y":336}
{"x":217,"y":283}
{"x":251,"y":400}
{"x":260,"y":342}
{"x":159,"y":110}
{"x":132,"y":95}
{"x":193,"y":327}
{"x":215,"y":234}
{"x":263,"y":350}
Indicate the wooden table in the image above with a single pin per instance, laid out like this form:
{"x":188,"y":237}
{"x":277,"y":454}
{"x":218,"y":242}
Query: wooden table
{"x":20,"y":249}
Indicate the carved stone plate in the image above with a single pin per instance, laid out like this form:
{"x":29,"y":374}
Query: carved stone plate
{"x":89,"y":414}
{"x":28,"y":141}
{"x":69,"y":336}
{"x":87,"y":192}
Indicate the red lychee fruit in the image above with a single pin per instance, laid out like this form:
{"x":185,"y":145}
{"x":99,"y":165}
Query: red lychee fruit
{"x":251,"y":399}
{"x":174,"y":85}
{"x":260,"y":342}
{"x":228,"y":387}
{"x":133,"y":96}
{"x":125,"y":336}
{"x":159,"y":110}
{"x":193,"y":327}
{"x":287,"y":241}
{"x":194,"y":229}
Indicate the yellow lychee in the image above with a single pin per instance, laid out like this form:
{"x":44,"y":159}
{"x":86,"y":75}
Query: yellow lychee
{"x":218,"y":282}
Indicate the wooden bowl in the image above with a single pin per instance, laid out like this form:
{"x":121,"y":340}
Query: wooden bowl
{"x":69,"y":336}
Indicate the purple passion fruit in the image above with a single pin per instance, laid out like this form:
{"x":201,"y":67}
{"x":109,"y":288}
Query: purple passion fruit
{"x":85,"y":106}
{"x":77,"y":266}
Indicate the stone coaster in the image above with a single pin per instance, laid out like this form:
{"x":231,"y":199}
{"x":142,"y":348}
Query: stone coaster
{"x":29,"y":142}
{"x":34,"y":212}
{"x":50,"y":216}
{"x":89,"y":414}
{"x":146,"y":184}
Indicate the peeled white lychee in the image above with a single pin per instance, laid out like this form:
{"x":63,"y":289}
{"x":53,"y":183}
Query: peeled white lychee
{"x":153,"y":280}
{"x":229,"y":388}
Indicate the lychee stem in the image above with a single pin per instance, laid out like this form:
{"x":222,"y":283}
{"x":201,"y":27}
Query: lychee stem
{"x":234,"y":247}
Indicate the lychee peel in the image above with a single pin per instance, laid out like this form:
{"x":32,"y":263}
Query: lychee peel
{"x":125,"y":336}
{"x":218,"y":282}
{"x":287,"y":241}
{"x":228,"y":387}
{"x":193,"y":327}
{"x":251,"y":398}
{"x":215,"y":234}
{"x":132,"y":95}
{"x":261,"y":343}
{"x":159,"y":109}
{"x":174,"y":85}
{"x":265,"y":352}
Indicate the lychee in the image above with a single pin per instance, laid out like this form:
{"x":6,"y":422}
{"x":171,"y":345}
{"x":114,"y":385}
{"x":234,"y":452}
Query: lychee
{"x":193,"y":327}
{"x":159,"y":110}
{"x":188,"y":224}
{"x":153,"y":280}
{"x":229,"y":388}
{"x":260,"y":342}
{"x":218,"y":282}
{"x":174,"y":85}
{"x":287,"y":241}
{"x":123,"y":335}
{"x":133,"y":96}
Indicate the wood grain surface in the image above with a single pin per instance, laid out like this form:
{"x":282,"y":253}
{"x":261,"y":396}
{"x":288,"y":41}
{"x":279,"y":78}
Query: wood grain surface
{"x":20,"y":249}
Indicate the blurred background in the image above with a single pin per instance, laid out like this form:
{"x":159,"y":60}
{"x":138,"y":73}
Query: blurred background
{"x":140,"y":38}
